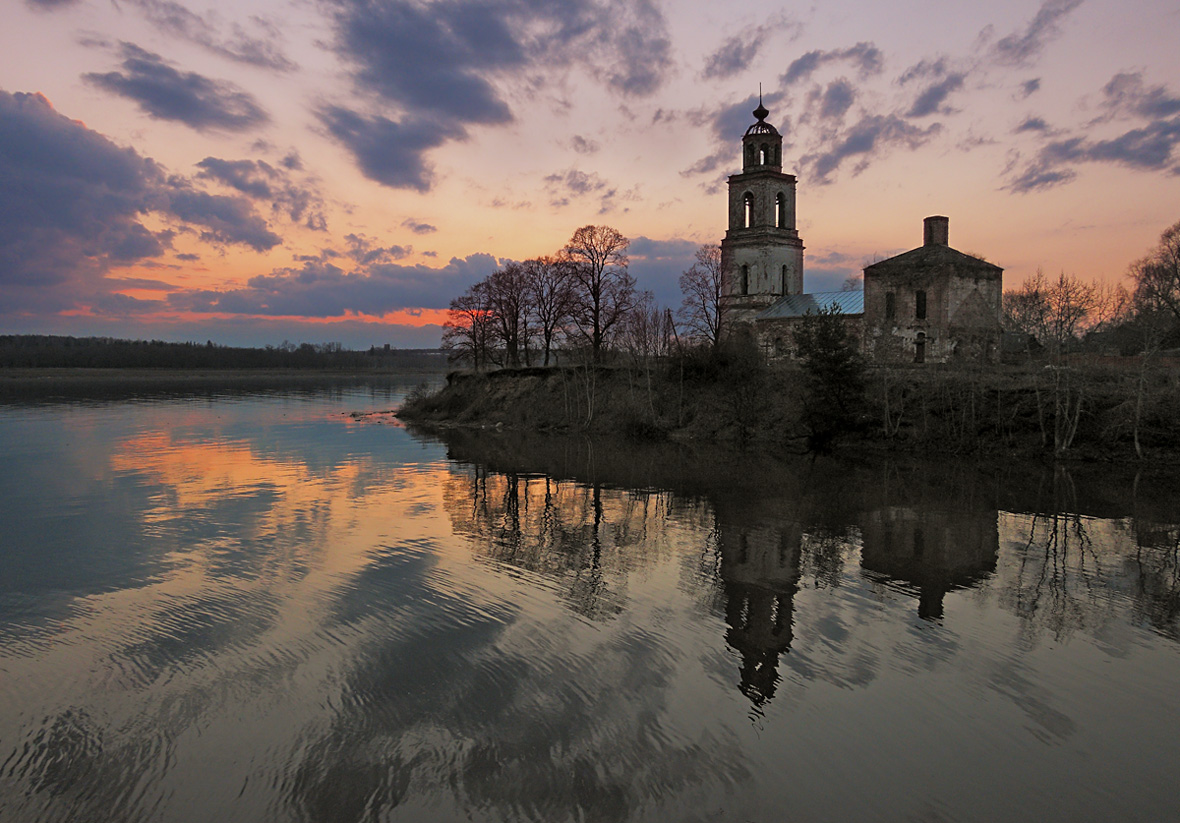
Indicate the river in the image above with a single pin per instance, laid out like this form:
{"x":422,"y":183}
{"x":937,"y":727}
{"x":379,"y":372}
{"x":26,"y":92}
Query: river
{"x":285,"y":606}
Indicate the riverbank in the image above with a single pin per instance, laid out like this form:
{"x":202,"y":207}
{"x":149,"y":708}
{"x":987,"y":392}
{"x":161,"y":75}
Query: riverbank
{"x":1095,"y":413}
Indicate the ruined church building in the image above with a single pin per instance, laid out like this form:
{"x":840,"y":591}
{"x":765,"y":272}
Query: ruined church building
{"x":930,"y":304}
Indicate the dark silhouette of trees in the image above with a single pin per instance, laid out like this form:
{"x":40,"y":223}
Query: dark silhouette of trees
{"x":1157,"y":276}
{"x":57,"y":351}
{"x":508,"y":305}
{"x":604,"y":291}
{"x":701,"y":286}
{"x":834,"y":376}
{"x":551,"y":299}
{"x":468,"y":329}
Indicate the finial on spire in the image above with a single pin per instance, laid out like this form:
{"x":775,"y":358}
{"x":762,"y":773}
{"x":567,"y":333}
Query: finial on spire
{"x":761,"y":111}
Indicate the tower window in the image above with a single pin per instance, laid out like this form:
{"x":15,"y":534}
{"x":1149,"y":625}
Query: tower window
{"x":784,"y":278}
{"x":745,"y":283}
{"x":747,"y":210}
{"x":764,"y":155}
{"x":890,"y":305}
{"x":920,"y":305}
{"x":920,"y":348}
{"x":780,"y":210}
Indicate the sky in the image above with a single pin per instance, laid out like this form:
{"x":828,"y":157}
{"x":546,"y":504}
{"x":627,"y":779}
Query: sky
{"x":338,"y":170}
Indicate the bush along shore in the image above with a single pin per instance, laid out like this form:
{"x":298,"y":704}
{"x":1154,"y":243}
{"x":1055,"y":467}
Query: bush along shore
{"x":1063,"y":410}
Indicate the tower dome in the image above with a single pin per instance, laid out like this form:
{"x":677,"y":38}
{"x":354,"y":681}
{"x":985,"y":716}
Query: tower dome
{"x":762,"y":145}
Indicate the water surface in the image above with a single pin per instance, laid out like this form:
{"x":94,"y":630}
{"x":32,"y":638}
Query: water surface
{"x":262,"y":607}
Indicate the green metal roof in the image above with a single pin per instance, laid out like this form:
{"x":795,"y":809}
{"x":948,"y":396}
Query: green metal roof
{"x":851,"y":303}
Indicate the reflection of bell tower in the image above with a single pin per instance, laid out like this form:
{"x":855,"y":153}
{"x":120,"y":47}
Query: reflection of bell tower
{"x":760,"y":574}
{"x":762,"y":255}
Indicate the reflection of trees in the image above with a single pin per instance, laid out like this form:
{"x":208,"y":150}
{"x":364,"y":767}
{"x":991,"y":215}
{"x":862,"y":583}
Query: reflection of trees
{"x":1071,"y":571}
{"x":1156,"y":567}
{"x":586,"y":536}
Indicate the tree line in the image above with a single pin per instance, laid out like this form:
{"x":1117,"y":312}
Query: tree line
{"x":61,"y":351}
{"x":1061,"y":314}
{"x":581,"y":299}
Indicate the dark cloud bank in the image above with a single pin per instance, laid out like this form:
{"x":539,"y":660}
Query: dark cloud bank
{"x":73,"y":205}
{"x":166,"y":93}
{"x":434,"y":69}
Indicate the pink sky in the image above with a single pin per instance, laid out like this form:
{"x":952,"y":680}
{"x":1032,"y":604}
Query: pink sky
{"x":321,"y":170}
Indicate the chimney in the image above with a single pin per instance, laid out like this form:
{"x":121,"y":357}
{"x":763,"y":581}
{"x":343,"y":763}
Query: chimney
{"x":936,"y":231}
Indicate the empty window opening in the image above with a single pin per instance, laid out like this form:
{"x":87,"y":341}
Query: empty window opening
{"x":763,"y":155}
{"x":745,"y":283}
{"x":747,"y":210}
{"x":890,"y":305}
{"x":785,"y":290}
{"x":779,"y":348}
{"x":920,"y":305}
{"x":920,"y":348}
{"x":780,"y":210}
{"x":750,"y":155}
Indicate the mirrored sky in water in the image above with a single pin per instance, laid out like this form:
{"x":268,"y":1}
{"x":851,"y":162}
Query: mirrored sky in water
{"x":264,"y":608}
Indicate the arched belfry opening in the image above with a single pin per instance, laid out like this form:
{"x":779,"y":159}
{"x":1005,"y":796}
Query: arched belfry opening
{"x":762,"y":255}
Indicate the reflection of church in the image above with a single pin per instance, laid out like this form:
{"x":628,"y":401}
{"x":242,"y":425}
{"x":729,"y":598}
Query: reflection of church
{"x":759,"y":568}
{"x":921,"y":537}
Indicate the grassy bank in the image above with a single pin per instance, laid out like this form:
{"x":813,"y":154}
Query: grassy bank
{"x":1067,"y":412}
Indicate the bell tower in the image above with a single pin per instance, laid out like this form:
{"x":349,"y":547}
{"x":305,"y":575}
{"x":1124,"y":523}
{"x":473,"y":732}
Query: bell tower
{"x":761,"y":254}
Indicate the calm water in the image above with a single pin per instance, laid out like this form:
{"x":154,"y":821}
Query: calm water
{"x":257,"y":608}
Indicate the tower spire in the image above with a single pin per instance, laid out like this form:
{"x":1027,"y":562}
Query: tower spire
{"x":761,"y":111}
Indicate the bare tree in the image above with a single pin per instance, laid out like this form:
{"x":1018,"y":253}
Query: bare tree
{"x":468,"y":330}
{"x":1056,"y":312}
{"x":603,"y":289}
{"x":508,"y":303}
{"x":1157,"y":276}
{"x":551,"y":298}
{"x":701,"y":287}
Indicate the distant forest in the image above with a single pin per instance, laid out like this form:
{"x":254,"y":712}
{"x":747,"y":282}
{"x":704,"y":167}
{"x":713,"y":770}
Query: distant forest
{"x":54,"y":351}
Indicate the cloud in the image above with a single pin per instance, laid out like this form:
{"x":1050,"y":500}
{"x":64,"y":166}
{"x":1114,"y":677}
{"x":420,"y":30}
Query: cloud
{"x":1029,"y":87}
{"x":1034,"y":124}
{"x":1126,"y":94}
{"x":364,"y":251}
{"x":574,"y":184}
{"x":224,"y":220}
{"x":165,"y":93}
{"x":440,"y":68}
{"x":322,"y":289}
{"x":391,"y":153}
{"x":262,"y":49}
{"x":70,"y":204}
{"x":1023,"y":47}
{"x":932,"y":98}
{"x":642,"y":50}
{"x":583,"y":145}
{"x":836,"y":99}
{"x":1149,"y":144}
{"x":50,"y":5}
{"x":738,"y":52}
{"x":73,"y":204}
{"x":275,"y":186}
{"x":865,"y":57}
{"x":658,"y":264}
{"x":418,"y":227}
{"x":866,"y":139}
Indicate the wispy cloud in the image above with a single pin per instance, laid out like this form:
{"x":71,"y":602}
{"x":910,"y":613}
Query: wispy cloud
{"x":166,"y":93}
{"x":1021,"y":48}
